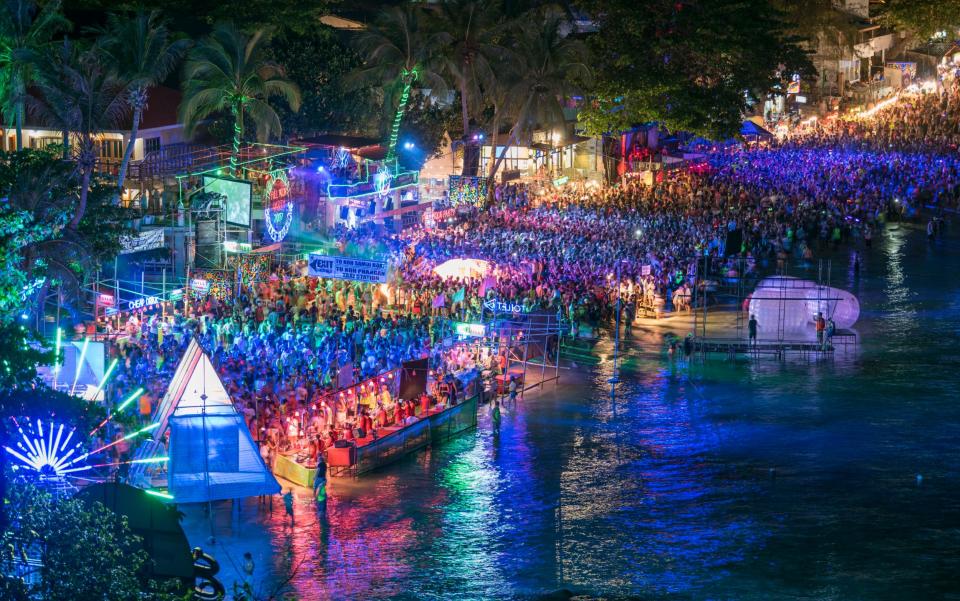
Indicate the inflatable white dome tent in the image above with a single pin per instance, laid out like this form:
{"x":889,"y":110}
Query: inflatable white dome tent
{"x":786,"y":308}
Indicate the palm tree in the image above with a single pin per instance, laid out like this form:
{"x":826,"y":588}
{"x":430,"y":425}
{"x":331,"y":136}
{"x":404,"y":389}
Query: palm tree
{"x":26,"y":31}
{"x":141,"y":52}
{"x":467,"y":31}
{"x":229,"y":71}
{"x":398,"y":51}
{"x":78,"y":94}
{"x":546,"y":66}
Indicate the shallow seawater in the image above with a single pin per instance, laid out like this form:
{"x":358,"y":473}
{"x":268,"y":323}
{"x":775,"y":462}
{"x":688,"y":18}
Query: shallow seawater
{"x":729,"y":480}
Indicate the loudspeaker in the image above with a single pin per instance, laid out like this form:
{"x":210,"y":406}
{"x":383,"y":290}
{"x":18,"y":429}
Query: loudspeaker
{"x":733,"y":243}
{"x":359,"y":213}
{"x":207,"y":247}
{"x":341,"y":444}
{"x":372,"y":209}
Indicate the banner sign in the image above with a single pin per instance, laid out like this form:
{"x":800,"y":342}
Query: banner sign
{"x":644,"y":270}
{"x":147,"y":240}
{"x":347,"y":268}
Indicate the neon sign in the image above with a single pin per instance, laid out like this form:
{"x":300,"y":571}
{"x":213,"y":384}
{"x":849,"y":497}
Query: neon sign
{"x":277,"y":208}
{"x":499,"y":306}
{"x":144,"y":302}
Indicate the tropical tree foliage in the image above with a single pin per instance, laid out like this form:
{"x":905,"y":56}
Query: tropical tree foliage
{"x":924,"y":18}
{"x":41,"y":251}
{"x":399,"y":52}
{"x":547,"y":68}
{"x":230,"y":72}
{"x":80,"y":94}
{"x":469,"y":32}
{"x":319,"y":62}
{"x":141,"y":53}
{"x":26,"y":32}
{"x":693,"y":65}
{"x":87,"y":551}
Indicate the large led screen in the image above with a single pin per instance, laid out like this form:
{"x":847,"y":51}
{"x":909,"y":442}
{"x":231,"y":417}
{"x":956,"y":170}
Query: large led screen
{"x":237,"y":194}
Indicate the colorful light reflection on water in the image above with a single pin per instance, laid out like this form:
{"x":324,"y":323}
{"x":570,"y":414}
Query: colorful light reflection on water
{"x":747,"y":481}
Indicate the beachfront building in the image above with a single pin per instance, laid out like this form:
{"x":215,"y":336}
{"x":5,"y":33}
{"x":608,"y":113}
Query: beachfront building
{"x":159,"y":137}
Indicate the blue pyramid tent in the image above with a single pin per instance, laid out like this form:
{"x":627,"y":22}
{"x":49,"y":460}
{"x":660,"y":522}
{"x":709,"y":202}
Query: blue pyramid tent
{"x":211,"y":453}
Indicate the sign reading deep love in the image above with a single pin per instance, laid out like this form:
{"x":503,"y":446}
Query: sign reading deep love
{"x":499,"y":306}
{"x":347,"y":268}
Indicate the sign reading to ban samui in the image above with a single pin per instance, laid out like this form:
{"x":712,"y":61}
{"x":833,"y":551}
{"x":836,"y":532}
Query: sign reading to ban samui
{"x":347,"y":268}
{"x":499,"y":306}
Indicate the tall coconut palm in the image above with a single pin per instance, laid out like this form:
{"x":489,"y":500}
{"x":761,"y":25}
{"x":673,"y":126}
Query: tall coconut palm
{"x":230,"y":72}
{"x":26,"y":31}
{"x":78,"y":93}
{"x":398,"y":51}
{"x":467,"y":32}
{"x":547,"y":66}
{"x":141,"y":51}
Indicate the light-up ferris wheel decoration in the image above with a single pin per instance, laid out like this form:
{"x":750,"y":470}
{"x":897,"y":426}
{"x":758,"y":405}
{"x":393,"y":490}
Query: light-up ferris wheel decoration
{"x":48,"y":450}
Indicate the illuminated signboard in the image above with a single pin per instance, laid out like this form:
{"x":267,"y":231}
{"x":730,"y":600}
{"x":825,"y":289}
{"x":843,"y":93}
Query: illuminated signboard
{"x":474,"y":330}
{"x":202,"y":286}
{"x":379,"y":183}
{"x":144,"y":302}
{"x":105,"y":300}
{"x":232,"y":246}
{"x":499,"y":306}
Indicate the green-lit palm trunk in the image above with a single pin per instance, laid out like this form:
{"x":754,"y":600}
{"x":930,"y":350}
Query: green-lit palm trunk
{"x":408,"y":78}
{"x":19,"y":126}
{"x":237,"y":138}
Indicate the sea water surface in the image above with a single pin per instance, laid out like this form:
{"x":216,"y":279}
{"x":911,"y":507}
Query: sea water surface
{"x":727,"y":480}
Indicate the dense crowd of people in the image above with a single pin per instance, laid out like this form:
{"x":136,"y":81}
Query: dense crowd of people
{"x":283,"y":345}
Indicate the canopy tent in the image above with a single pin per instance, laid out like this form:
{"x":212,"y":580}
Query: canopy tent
{"x":212,"y":455}
{"x":749,"y":129}
{"x":462,"y":268}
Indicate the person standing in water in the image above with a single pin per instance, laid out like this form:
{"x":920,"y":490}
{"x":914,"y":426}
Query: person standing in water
{"x":752,"y":327}
{"x":320,"y":485}
{"x":495,"y":414}
{"x":288,"y":503}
